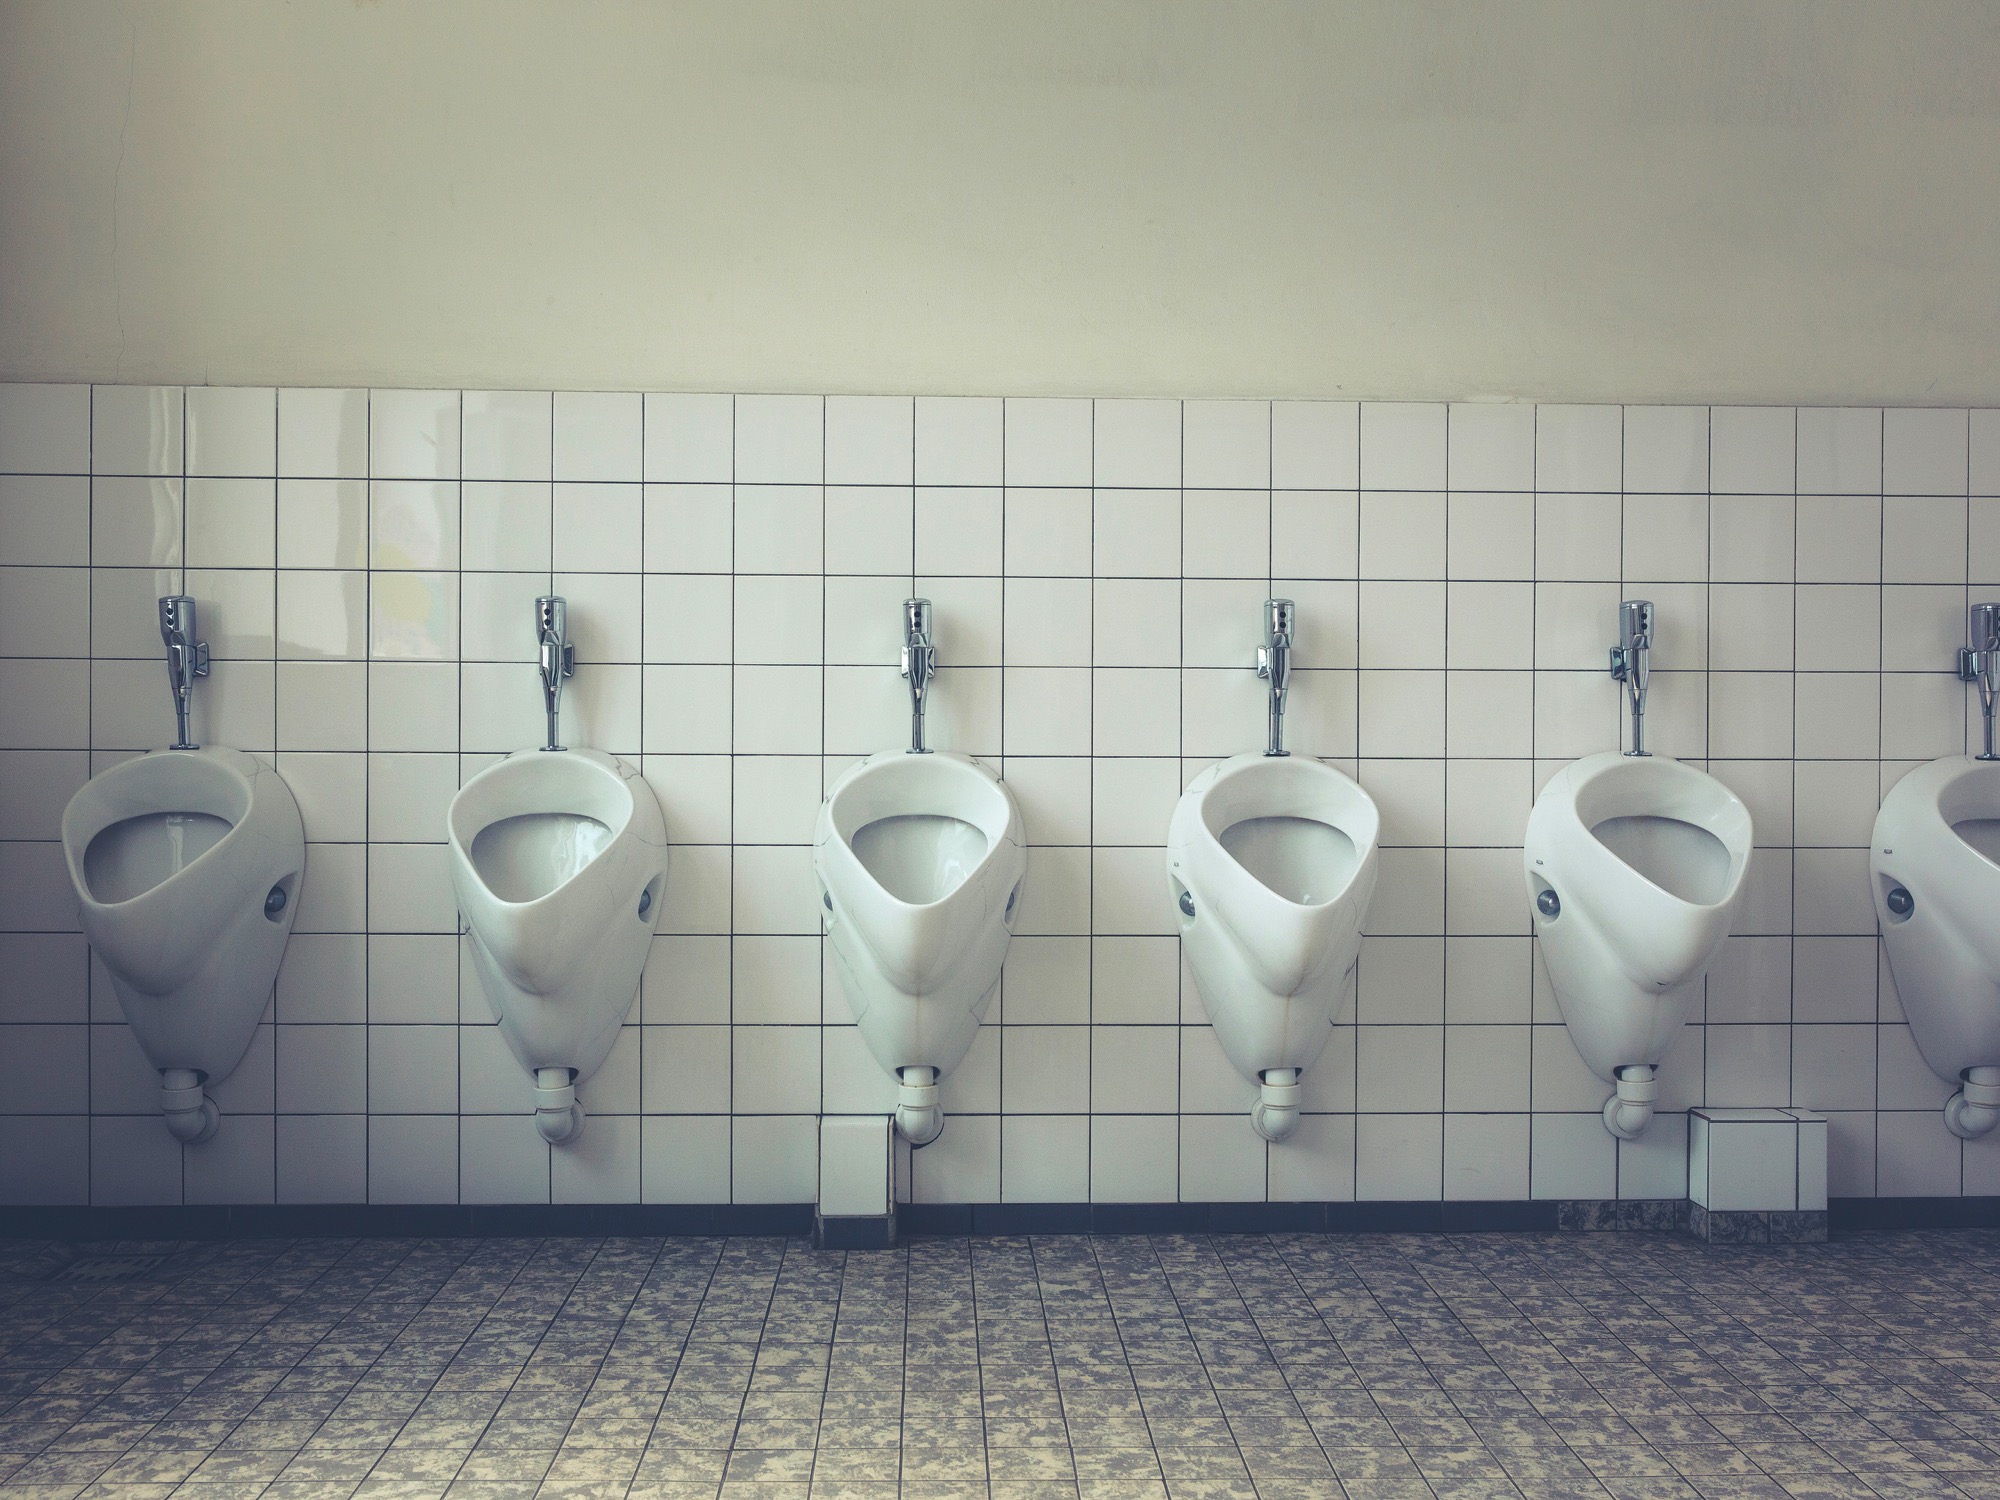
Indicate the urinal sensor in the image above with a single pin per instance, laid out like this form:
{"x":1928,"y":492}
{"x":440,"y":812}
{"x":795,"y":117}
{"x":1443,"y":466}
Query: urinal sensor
{"x":1274,"y":666}
{"x":558,"y":657}
{"x":919,"y":666}
{"x":187,"y":659}
{"x":1631,"y":665}
{"x":1979,"y":663}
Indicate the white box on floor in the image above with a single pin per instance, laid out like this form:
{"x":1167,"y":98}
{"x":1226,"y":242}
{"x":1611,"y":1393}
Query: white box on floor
{"x":857,"y":1164}
{"x":1757,"y":1160}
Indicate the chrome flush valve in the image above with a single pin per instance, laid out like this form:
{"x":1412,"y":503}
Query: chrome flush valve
{"x":1629,"y":663}
{"x":558,"y":657}
{"x":187,"y":659}
{"x":919,"y":666}
{"x":1274,"y":665}
{"x":1979,"y":662}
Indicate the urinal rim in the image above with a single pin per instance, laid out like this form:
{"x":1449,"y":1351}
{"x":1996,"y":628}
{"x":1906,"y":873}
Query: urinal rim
{"x":1928,"y":854}
{"x":1950,"y":773}
{"x":216,"y":760}
{"x":1561,"y":795}
{"x":601,"y":764}
{"x":1270,"y":767}
{"x":886,"y":763}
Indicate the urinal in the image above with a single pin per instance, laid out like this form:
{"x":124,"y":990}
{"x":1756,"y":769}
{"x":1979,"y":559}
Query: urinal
{"x":1933,"y":872}
{"x":559,"y":863}
{"x":1271,"y":866}
{"x":1635,"y":868}
{"x":186,"y":865}
{"x":1271,"y":863}
{"x":920,"y":858}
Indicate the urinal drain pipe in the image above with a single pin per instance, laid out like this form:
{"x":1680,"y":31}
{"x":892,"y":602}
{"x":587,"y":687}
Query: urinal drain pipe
{"x":1975,"y":1109}
{"x":1628,"y":1112}
{"x":1275,"y":1115}
{"x":919,"y":1116}
{"x":190,"y":1114}
{"x":557,"y":1114}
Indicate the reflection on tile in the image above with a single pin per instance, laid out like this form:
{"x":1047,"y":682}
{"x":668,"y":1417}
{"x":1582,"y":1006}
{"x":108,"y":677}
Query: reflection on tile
{"x":413,"y":524}
{"x":414,"y":615}
{"x":322,"y":613}
{"x":322,"y":523}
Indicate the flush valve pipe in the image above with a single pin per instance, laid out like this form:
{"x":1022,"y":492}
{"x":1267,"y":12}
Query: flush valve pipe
{"x":1975,"y":1109}
{"x":557,"y":1114}
{"x":1630,"y":664}
{"x":919,"y":666}
{"x":919,"y":1116}
{"x":558,"y":659}
{"x":187,"y":659}
{"x":1628,"y":1112}
{"x":1275,"y":1115}
{"x":1274,"y":665}
{"x":190,"y":1114}
{"x":1979,"y":662}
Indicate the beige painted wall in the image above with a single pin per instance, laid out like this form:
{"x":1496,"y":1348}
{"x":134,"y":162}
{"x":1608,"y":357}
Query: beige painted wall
{"x":1567,"y":200}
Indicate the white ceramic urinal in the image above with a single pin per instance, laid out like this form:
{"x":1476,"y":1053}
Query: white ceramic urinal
{"x":1271,"y":863}
{"x":1934,"y":869}
{"x":559,"y":861}
{"x":187,"y":865}
{"x":1635,"y":867}
{"x":920,"y":859}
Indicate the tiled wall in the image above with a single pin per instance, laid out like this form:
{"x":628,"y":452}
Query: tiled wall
{"x":365,"y":562}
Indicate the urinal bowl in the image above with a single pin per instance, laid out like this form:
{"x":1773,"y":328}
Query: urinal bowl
{"x":187,"y":867}
{"x":1635,"y":868}
{"x":1271,"y":864}
{"x":1934,"y":874}
{"x":559,"y":863}
{"x":920,"y":860}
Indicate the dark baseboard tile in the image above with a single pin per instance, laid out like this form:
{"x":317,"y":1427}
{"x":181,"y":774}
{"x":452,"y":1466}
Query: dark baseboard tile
{"x":403,"y":1221}
{"x":443,"y":1221}
{"x":1756,"y":1227}
{"x":1623,"y":1215}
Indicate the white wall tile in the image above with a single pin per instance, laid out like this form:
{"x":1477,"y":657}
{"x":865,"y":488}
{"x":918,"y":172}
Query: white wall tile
{"x":413,"y":434}
{"x":1315,"y":445}
{"x":959,"y":440}
{"x":1666,"y":449}
{"x":1840,"y":451}
{"x":780,"y":440}
{"x":1048,"y":441}
{"x":232,"y":430}
{"x":45,"y":429}
{"x":46,"y":521}
{"x":1226,"y":444}
{"x":323,"y":434}
{"x":1491,"y":447}
{"x":690,"y":438}
{"x":1491,"y":536}
{"x":1137,"y":445}
{"x":1579,"y":448}
{"x":1578,"y":537}
{"x":599,"y":435}
{"x":1753,"y":450}
{"x":870,"y":440}
{"x":779,"y":529}
{"x":506,"y":435}
{"x":1924,"y":451}
{"x":136,"y":429}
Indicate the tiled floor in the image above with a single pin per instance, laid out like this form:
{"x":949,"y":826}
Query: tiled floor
{"x":1545,"y":1366}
